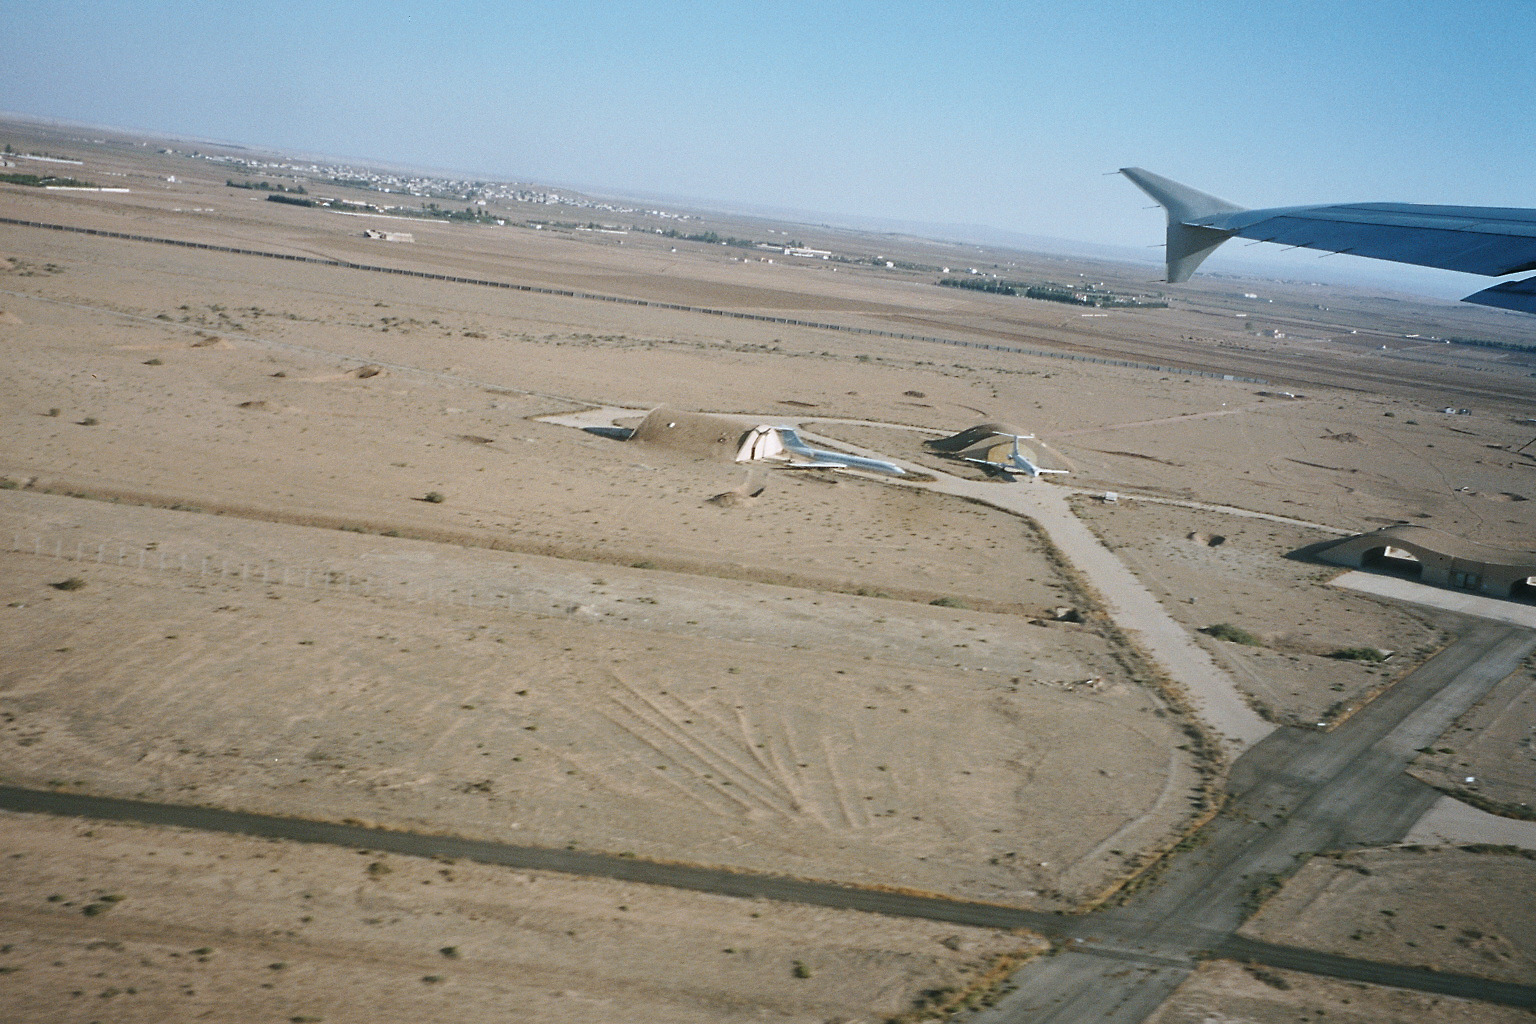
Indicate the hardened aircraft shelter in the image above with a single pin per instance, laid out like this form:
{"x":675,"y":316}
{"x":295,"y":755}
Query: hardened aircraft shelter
{"x":1439,"y":558}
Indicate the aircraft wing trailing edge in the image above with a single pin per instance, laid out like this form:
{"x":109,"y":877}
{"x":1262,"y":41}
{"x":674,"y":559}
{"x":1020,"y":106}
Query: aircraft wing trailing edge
{"x":1472,"y":239}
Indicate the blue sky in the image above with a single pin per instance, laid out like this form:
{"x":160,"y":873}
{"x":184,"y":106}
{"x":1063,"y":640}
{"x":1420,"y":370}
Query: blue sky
{"x":1005,"y":115}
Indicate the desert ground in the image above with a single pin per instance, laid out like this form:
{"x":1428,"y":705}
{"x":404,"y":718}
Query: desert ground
{"x":1463,"y":909}
{"x":1234,"y":994}
{"x":1489,"y":755}
{"x":121,"y":923}
{"x":294,"y":538}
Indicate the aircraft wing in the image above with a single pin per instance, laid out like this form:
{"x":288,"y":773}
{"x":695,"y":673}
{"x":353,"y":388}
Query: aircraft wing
{"x":1472,"y":239}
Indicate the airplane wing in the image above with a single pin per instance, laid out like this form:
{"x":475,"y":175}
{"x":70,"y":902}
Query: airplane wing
{"x":1472,"y":239}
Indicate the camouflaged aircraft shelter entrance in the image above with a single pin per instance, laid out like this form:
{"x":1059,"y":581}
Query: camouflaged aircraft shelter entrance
{"x":1432,"y":556}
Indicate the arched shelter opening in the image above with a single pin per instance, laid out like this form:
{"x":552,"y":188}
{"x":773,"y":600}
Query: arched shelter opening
{"x":1392,"y":561}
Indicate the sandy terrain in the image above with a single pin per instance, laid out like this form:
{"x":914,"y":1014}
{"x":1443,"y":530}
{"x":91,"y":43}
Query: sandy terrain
{"x":390,"y":593}
{"x":1455,"y":909}
{"x":122,"y":923}
{"x":1493,"y":745}
{"x":1208,"y":568}
{"x":1450,"y":820}
{"x":1221,"y":991}
{"x":633,"y":711}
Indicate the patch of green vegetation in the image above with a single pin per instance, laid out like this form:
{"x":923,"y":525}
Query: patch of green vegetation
{"x":1504,"y":809}
{"x":435,"y":497}
{"x":1232,"y":634}
{"x":1499,"y":850}
{"x":1260,"y":891}
{"x":1358,"y":654}
{"x":265,"y":186}
{"x":948,"y":602}
{"x":44,"y":181}
{"x":1074,"y":295}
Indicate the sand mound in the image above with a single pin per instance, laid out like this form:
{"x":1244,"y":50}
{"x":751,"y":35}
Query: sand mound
{"x":209,"y":341}
{"x":748,"y":494}
{"x":7,"y":317}
{"x":975,"y":435}
{"x":256,"y":405}
{"x":1347,"y":438}
{"x":1210,"y":540}
{"x":700,"y":434}
{"x":364,"y":372}
{"x":737,"y":498}
{"x":476,"y":439}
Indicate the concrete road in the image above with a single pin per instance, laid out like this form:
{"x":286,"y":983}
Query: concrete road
{"x":1295,"y":794}
{"x":1214,"y":695}
{"x":1460,"y":601}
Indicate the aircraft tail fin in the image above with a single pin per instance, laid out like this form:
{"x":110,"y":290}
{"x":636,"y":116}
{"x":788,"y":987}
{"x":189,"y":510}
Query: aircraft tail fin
{"x":1188,"y":244}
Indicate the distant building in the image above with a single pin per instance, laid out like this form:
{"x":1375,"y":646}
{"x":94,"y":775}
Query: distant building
{"x":390,"y":236}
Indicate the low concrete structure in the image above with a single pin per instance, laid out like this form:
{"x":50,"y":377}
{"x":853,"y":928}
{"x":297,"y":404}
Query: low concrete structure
{"x":1442,"y":559}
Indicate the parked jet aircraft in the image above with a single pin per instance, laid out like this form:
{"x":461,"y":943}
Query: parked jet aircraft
{"x":1014,"y":461}
{"x":1473,"y":239}
{"x":994,"y":445}
{"x":803,"y":456}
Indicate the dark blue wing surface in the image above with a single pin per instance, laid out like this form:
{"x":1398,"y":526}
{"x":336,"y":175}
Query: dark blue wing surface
{"x":1491,"y":241}
{"x":1472,"y":239}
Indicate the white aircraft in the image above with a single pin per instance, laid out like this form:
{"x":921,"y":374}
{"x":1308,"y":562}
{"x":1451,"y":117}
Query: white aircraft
{"x":1014,"y":461}
{"x":803,"y":456}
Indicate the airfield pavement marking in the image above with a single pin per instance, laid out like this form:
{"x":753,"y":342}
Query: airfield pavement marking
{"x":1491,"y":608}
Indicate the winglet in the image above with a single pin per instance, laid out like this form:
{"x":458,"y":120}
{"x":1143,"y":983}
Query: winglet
{"x":1188,"y":243}
{"x":1517,"y":295}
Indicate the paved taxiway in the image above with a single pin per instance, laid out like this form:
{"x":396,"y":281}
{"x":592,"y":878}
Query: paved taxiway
{"x":1299,"y":792}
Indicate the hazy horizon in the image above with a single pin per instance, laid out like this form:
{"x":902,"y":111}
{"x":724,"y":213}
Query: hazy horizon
{"x":1010,"y":120}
